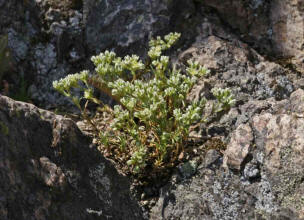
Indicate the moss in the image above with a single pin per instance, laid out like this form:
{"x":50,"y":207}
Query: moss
{"x":3,"y":128}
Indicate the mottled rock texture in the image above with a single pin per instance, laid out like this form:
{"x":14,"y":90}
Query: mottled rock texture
{"x":259,"y":175}
{"x":48,"y":170}
{"x":266,"y":156}
{"x":126,"y":26}
{"x":69,"y":32}
{"x":273,"y":27}
{"x":235,"y":65}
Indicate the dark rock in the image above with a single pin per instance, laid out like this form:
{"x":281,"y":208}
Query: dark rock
{"x":272,"y":27}
{"x":126,"y":26}
{"x":248,"y":18}
{"x":211,"y":158}
{"x":18,"y":45}
{"x":188,"y":169}
{"x":46,"y":42}
{"x":49,"y":171}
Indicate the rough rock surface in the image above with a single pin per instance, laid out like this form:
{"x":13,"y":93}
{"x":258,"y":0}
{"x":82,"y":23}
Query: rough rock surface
{"x":126,"y":26}
{"x":235,"y":65}
{"x":251,"y":78}
{"x":50,"y":39}
{"x":267,"y":157}
{"x":249,"y":18}
{"x":48,"y":170}
{"x":260,"y":175}
{"x":274,"y":27}
{"x":45,"y":39}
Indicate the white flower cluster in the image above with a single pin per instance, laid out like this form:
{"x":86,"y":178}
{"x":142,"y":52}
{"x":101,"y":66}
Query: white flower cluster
{"x":192,"y":113}
{"x":138,"y":159}
{"x":70,"y":81}
{"x":224,"y":97}
{"x":111,"y":67}
{"x":122,"y":117}
{"x":132,"y":63}
{"x":158,"y":45}
{"x":65,"y":85}
{"x":195,"y":69}
{"x":160,"y":65}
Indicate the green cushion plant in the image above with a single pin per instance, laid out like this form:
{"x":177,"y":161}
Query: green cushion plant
{"x":152,"y":118}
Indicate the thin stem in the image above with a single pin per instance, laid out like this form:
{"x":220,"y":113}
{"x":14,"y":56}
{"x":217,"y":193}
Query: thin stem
{"x":87,"y":118}
{"x":104,"y":88}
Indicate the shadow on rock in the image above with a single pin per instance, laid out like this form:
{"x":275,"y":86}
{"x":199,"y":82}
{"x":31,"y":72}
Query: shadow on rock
{"x":48,"y":170}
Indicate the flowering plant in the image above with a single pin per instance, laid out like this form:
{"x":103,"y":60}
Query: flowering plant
{"x":152,"y":119}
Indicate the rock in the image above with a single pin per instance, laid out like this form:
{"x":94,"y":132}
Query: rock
{"x":188,"y":169}
{"x":126,"y":26}
{"x":251,"y":79}
{"x":46,"y":43}
{"x":19,"y":22}
{"x":266,"y":157}
{"x":45,"y":59}
{"x":62,"y":54}
{"x":6,"y":64}
{"x":296,"y":101}
{"x":212,"y":157}
{"x":239,"y":147}
{"x":251,"y":171}
{"x":18,"y":46}
{"x":49,"y":171}
{"x":51,"y":174}
{"x":242,"y":69}
{"x":273,"y":27}
{"x":251,"y":108}
{"x":280,"y":139}
{"x":210,"y":195}
{"x":248,"y":18}
{"x":287,"y":30}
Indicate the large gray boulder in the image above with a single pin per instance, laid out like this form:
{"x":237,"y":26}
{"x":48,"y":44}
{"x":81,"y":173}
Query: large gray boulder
{"x":49,"y":170}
